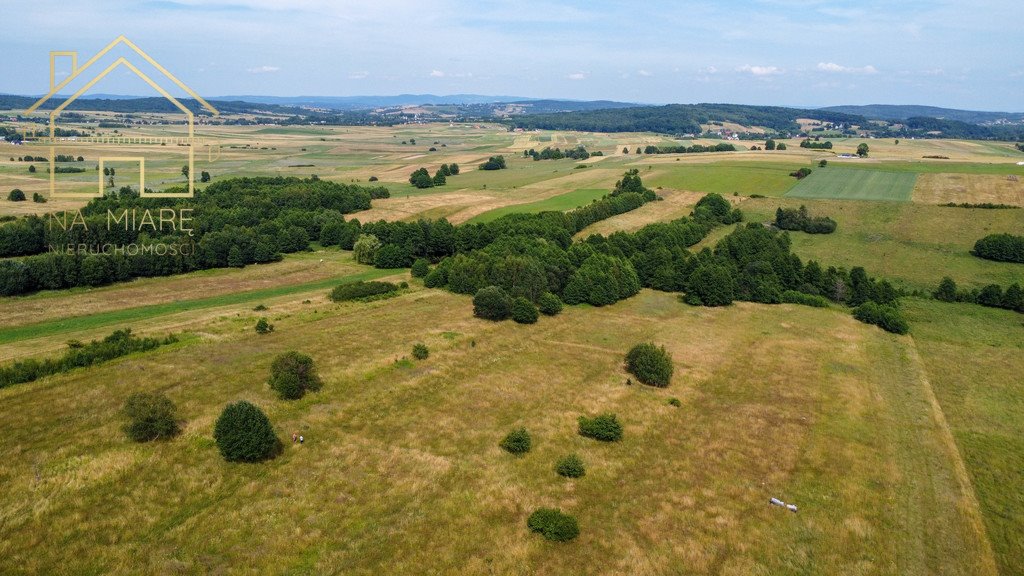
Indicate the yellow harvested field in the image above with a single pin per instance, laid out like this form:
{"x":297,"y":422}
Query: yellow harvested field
{"x":969,"y":188}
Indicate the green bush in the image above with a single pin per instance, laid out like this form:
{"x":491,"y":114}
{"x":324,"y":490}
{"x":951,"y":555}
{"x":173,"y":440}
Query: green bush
{"x":794,"y":297}
{"x":571,"y":466}
{"x":264,"y":327}
{"x":674,"y":402}
{"x":420,"y":351}
{"x":886,"y":317}
{"x":549,"y":304}
{"x":523,"y":311}
{"x":553,"y":524}
{"x":16,"y":195}
{"x":604,"y":427}
{"x":38,"y":198}
{"x":150,"y":417}
{"x":1000,"y":247}
{"x":517,"y":442}
{"x":650,"y":364}
{"x":390,"y":256}
{"x":492,"y":303}
{"x":711,"y":285}
{"x":362,"y":290}
{"x":292,"y":374}
{"x":244,"y":434}
{"x":420,"y":268}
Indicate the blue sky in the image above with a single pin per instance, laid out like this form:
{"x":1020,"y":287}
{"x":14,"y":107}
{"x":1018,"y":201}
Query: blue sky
{"x":786,"y":52}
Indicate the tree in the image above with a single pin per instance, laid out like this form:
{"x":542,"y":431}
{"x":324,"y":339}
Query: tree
{"x":625,"y":150}
{"x":492,"y":303}
{"x":38,"y":198}
{"x":862,"y":150}
{"x":184,"y":171}
{"x":292,"y":374}
{"x":650,"y":364}
{"x":204,"y":176}
{"x":365,"y":248}
{"x":244,"y":434}
{"x":16,"y":195}
{"x":822,"y":163}
{"x":32,"y":169}
{"x":570,"y":466}
{"x":523,"y":311}
{"x":604,"y":427}
{"x":769,"y":144}
{"x":453,"y":169}
{"x":549,"y":304}
{"x":235,"y":258}
{"x":391,"y":256}
{"x":712,"y":285}
{"x":494,"y":163}
{"x":946,"y":291}
{"x":780,"y":146}
{"x":150,"y":417}
{"x":439,"y":179}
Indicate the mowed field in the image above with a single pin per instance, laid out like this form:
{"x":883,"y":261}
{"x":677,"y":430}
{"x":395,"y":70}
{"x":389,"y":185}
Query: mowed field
{"x":847,"y":184}
{"x":401,"y":470}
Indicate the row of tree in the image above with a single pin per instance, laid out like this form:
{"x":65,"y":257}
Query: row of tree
{"x":548,"y":153}
{"x":691,"y":149}
{"x":991,"y":295}
{"x":801,"y":220}
{"x":420,"y":178}
{"x":815,"y":144}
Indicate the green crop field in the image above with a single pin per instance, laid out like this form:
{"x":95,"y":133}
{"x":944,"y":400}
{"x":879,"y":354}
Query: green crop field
{"x":855,"y":184}
{"x":727,"y":177}
{"x":559,"y":203}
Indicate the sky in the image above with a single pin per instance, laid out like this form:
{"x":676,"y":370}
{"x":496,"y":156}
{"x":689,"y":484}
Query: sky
{"x":779,"y":52}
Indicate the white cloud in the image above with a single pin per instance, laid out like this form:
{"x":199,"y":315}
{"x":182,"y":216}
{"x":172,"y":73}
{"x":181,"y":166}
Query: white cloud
{"x":264,"y":69}
{"x":577,"y":76}
{"x":436,"y":74}
{"x":643,"y":73}
{"x":833,"y":67}
{"x":760,"y":70}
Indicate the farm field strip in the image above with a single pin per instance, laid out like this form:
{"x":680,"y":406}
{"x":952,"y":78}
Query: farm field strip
{"x":835,"y":182}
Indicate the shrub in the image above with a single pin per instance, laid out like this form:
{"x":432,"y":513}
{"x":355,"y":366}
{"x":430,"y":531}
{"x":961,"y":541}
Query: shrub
{"x":712,"y":285}
{"x":884,"y":316}
{"x":391,"y":256}
{"x":650,"y":364}
{"x":517,"y":442}
{"x":244,"y":434}
{"x":553,"y":524}
{"x":794,"y":297}
{"x":420,"y":268}
{"x":492,"y":303}
{"x":420,"y":351}
{"x":549,"y":304}
{"x":523,"y":311}
{"x":674,"y":402}
{"x":1000,"y":247}
{"x":264,"y":327}
{"x":362,"y":290}
{"x":16,"y":195}
{"x":604,"y":427}
{"x":38,"y":198}
{"x":373,"y":179}
{"x":292,"y":374}
{"x":571,"y":466}
{"x":150,"y":417}
{"x":946,"y":291}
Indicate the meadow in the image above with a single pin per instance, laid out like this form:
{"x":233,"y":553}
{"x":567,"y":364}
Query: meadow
{"x":847,"y":184}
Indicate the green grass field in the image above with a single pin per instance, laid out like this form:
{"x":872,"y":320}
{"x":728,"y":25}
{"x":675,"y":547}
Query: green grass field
{"x":847,"y":184}
{"x":727,"y":177}
{"x":559,"y":203}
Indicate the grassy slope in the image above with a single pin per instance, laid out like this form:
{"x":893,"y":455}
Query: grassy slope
{"x":559,"y":203}
{"x":401,"y":471}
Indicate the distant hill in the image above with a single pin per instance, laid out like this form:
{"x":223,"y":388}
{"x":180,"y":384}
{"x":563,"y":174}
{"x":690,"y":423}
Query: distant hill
{"x":893,"y":112}
{"x":127,"y":105}
{"x":365,"y":102}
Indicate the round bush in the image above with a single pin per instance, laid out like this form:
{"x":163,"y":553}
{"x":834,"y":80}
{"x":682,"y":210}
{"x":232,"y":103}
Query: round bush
{"x":605,"y":428}
{"x":150,"y":417}
{"x":571,"y":466}
{"x":553,"y":524}
{"x":517,"y":442}
{"x":420,"y":351}
{"x":650,"y":364}
{"x":292,"y":374}
{"x":16,"y":195}
{"x":263,"y":326}
{"x":244,"y":434}
{"x":549,"y":304}
{"x":492,"y":303}
{"x":420,"y":268}
{"x":523,"y":311}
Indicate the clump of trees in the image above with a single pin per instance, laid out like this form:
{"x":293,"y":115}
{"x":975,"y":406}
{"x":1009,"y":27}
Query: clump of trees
{"x":553,"y":524}
{"x":517,"y":442}
{"x":801,"y":173}
{"x":548,"y":153}
{"x":492,"y":303}
{"x":815,"y":144}
{"x":494,"y":163}
{"x":862,"y":150}
{"x":604,"y":427}
{"x":885,"y":316}
{"x":118,"y":343}
{"x":523,"y":311}
{"x":801,"y":220}
{"x":292,"y":374}
{"x":420,"y":268}
{"x":691,"y":149}
{"x":652,"y":365}
{"x":991,"y":295}
{"x":421,"y":178}
{"x":16,"y":195}
{"x":363,"y":290}
{"x":244,"y":434}
{"x":150,"y":417}
{"x":1000,"y":247}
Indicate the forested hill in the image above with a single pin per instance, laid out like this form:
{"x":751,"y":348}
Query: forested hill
{"x":679,"y":118}
{"x":903,"y":112}
{"x":136,"y":105}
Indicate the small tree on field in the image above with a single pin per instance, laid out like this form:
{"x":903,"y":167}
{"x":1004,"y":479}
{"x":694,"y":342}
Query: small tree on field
{"x":549,"y":304}
{"x":150,"y":417}
{"x":16,"y":195}
{"x":263,"y":326}
{"x":420,"y":268}
{"x":292,"y":374}
{"x":517,"y":442}
{"x":604,"y":427}
{"x":492,"y":303}
{"x":946,"y":291}
{"x":523,"y":311}
{"x":244,"y":434}
{"x":650,"y":364}
{"x":862,"y":150}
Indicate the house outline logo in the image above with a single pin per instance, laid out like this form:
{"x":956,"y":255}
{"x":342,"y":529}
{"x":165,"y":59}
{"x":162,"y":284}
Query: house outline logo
{"x":76,"y":72}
